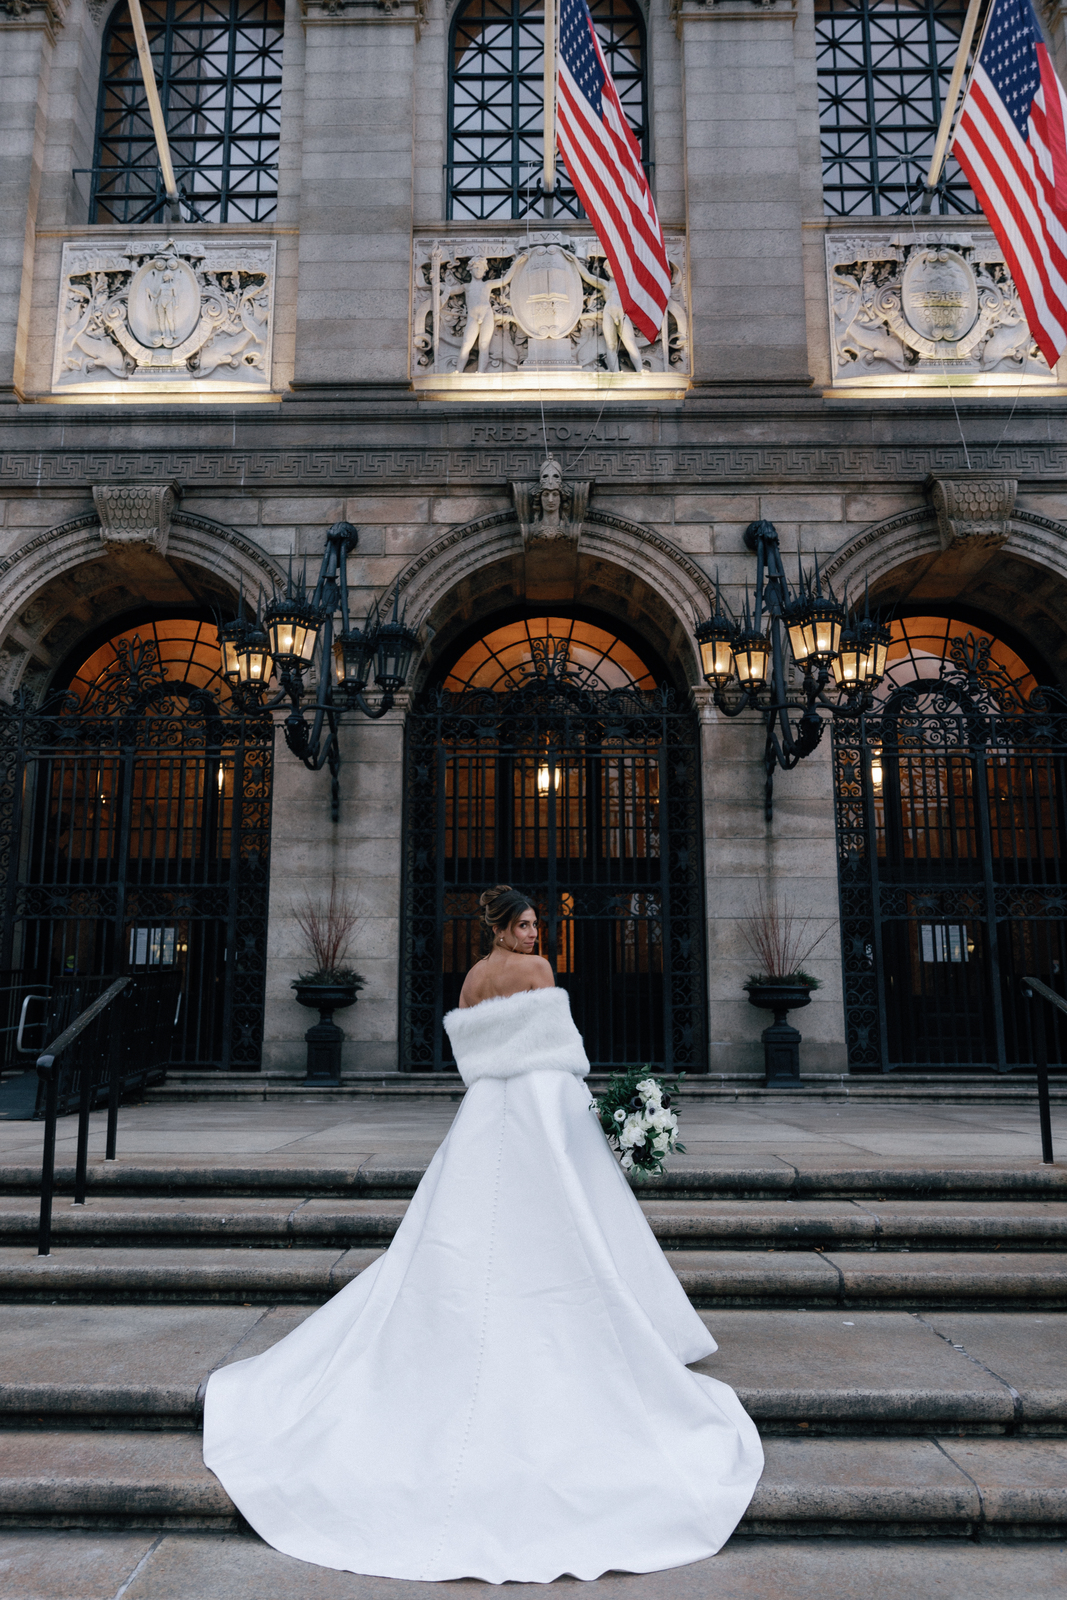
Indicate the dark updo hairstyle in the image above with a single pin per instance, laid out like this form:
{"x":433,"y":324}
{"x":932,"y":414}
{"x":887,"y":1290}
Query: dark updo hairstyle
{"x":502,"y":905}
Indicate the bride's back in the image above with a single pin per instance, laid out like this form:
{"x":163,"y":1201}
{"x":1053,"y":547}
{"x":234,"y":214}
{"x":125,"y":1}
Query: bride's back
{"x":504,"y":973}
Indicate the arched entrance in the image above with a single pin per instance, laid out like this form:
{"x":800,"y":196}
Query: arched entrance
{"x":135,"y":822}
{"x":952,"y":835}
{"x":551,"y":755}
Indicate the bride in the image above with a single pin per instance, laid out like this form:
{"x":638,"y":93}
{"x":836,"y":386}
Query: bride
{"x":503,"y":1394}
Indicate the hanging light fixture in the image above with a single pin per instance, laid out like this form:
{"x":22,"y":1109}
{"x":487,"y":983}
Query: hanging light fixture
{"x":824,"y":643}
{"x":284,"y":643}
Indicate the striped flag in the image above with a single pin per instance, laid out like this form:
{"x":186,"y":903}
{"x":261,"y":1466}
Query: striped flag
{"x":1011,"y":142}
{"x":604,"y":162}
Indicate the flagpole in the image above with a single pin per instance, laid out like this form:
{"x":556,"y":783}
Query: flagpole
{"x":155,"y":109}
{"x":937,"y":160}
{"x":548,"y":173}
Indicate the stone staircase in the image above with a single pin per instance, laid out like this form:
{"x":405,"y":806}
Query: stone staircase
{"x":898,"y":1333}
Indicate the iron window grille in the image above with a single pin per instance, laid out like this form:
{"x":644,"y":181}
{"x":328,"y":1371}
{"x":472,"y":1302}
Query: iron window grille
{"x":951,"y":804}
{"x":219,"y":70}
{"x":883,"y":69}
{"x":496,"y":103}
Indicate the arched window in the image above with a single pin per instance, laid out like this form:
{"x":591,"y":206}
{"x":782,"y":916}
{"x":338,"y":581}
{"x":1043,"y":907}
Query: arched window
{"x":219,"y":69}
{"x":496,"y":102}
{"x":952,"y":825}
{"x":883,"y":68}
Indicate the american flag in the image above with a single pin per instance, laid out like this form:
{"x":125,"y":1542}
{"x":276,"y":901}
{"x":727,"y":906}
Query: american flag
{"x":1011,"y":143}
{"x":604,"y":162}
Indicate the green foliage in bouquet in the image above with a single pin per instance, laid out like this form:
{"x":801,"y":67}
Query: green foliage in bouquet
{"x":635,"y":1112}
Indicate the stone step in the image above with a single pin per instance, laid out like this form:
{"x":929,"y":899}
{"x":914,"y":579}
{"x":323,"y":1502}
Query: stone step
{"x":1014,"y":1488}
{"x":803,"y":1373}
{"x":379,"y":1177}
{"x":122,"y":1220}
{"x":926,"y":1088}
{"x":68,"y":1564}
{"x":710,"y":1277}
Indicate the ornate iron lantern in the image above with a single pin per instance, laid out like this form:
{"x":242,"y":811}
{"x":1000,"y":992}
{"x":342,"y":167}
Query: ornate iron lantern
{"x":296,"y":628}
{"x":824,"y":643}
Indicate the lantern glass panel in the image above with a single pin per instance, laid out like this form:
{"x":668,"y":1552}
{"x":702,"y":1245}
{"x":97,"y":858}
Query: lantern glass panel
{"x":717,"y":660}
{"x":750,"y":659}
{"x":231,"y":663}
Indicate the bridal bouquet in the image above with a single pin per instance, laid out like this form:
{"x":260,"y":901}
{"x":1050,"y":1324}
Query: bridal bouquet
{"x":635,"y":1113}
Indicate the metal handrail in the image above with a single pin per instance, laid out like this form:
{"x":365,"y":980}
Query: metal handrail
{"x":46,"y":1070}
{"x":1032,"y":987}
{"x":27,"y":1049}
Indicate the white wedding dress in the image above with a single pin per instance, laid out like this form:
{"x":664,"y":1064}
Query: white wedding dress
{"x":503,"y":1394}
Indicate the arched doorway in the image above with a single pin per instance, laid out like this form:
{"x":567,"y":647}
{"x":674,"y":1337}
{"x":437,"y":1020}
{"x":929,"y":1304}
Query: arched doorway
{"x":553,"y":756}
{"x":952,"y":836}
{"x":135,"y":819}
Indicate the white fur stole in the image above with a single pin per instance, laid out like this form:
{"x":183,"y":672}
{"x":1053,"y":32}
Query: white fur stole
{"x":514,"y":1034}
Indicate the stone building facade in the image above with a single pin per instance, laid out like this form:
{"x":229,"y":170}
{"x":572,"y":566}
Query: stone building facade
{"x":188,"y":403}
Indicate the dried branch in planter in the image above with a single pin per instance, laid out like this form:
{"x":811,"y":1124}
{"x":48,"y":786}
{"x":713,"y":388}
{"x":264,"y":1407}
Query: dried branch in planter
{"x":329,"y":929}
{"x":780,"y":939}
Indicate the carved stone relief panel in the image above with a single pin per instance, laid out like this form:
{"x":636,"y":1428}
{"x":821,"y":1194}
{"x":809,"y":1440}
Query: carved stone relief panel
{"x":543,"y":303}
{"x":928,"y":303}
{"x":153,"y":314}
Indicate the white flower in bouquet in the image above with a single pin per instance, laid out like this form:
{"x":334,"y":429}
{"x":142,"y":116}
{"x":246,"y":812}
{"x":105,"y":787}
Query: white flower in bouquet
{"x":632,"y":1132}
{"x":627,"y":1162}
{"x":650,"y":1090}
{"x":661,"y":1143}
{"x":620,"y":1115}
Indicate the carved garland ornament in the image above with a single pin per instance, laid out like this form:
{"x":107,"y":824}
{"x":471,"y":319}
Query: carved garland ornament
{"x":186,"y":315}
{"x":927,"y":303}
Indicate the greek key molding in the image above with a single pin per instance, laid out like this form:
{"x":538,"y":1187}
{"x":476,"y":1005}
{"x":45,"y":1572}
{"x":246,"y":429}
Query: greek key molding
{"x":663,"y":466}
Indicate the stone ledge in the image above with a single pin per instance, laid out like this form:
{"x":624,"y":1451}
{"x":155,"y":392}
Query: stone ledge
{"x":889,"y":1486}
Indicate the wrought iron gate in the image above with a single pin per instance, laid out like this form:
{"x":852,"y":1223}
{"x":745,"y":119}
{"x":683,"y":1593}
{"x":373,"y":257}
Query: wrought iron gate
{"x":135,"y":833}
{"x":589,"y":801}
{"x":952,"y":841}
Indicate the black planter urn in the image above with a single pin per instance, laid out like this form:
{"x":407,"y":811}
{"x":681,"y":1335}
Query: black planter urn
{"x":324,"y":1038}
{"x":781,"y":1041}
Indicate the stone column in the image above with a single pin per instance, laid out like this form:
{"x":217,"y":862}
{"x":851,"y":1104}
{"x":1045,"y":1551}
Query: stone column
{"x":744,"y":192}
{"x":27,"y":40}
{"x":362,"y":854}
{"x":793,"y":858}
{"x":356,"y":193}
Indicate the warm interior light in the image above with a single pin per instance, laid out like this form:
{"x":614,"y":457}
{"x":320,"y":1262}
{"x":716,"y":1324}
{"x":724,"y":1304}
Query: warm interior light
{"x":849,"y":664}
{"x":545,"y":778}
{"x":293,"y":629}
{"x":876,"y":769}
{"x":253,"y":657}
{"x":716,"y":640}
{"x":752,"y":652}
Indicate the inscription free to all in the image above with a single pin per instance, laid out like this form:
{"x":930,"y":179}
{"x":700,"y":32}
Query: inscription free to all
{"x":521,"y":433}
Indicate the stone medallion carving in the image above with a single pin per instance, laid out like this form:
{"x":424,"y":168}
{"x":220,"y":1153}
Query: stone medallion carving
{"x":972,"y":509}
{"x":174,"y":314}
{"x":546,"y":293}
{"x":931,"y":303}
{"x":163,"y":306}
{"x":939,"y":295}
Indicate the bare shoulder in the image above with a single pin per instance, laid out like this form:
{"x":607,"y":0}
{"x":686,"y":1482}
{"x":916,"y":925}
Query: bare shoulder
{"x":539,"y":971}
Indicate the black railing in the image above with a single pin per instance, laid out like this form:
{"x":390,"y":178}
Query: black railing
{"x":1033,"y":988}
{"x":111,"y":1048}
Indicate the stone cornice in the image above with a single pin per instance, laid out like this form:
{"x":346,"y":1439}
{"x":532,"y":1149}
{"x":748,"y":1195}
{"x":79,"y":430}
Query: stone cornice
{"x":683,"y":11}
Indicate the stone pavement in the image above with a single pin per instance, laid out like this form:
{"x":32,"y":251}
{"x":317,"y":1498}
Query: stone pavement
{"x":409,"y":1132}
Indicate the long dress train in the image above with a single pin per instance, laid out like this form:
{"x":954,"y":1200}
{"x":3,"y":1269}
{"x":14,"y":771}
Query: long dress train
{"x":501,"y":1395}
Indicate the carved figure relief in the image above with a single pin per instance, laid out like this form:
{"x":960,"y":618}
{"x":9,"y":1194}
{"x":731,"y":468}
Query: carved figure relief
{"x":542,"y":303}
{"x":184,"y":314}
{"x":925,"y":302}
{"x":552,"y":511}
